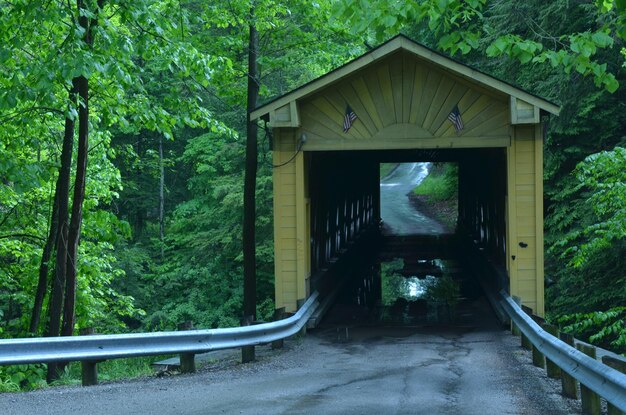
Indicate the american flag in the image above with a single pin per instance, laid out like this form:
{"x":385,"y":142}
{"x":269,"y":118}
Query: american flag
{"x":455,"y":118}
{"x":348,"y":119}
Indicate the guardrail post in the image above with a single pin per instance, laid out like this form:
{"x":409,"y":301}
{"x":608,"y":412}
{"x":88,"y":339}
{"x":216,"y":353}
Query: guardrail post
{"x":279,"y":314}
{"x":538,"y":358}
{"x":88,"y":368}
{"x":568,"y":382}
{"x":552,"y":369}
{"x":590,"y":400}
{"x":514,"y":329}
{"x":247,"y":352}
{"x":619,"y":365}
{"x":526,"y":344}
{"x":187,"y":360}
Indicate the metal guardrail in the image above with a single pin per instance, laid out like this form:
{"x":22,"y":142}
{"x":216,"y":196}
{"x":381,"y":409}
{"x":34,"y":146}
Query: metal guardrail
{"x":603,"y":380}
{"x":113,"y":346}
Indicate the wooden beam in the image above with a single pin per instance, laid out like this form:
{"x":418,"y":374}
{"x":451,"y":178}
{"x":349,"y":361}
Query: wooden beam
{"x":302,"y":239}
{"x":540,"y":310}
{"x":511,"y":222}
{"x":316,"y":143}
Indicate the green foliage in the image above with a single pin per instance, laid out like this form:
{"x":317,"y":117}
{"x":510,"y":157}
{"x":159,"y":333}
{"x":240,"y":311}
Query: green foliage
{"x":454,"y":21}
{"x":43,"y":48}
{"x":111,"y":370}
{"x":118,"y":369}
{"x":156,"y":70}
{"x":606,"y":329}
{"x":443,"y":290}
{"x":588,"y":244}
{"x":22,"y":377}
{"x":7,"y":385}
{"x":393,"y":283}
{"x":463,"y":26}
{"x":198,"y":277}
{"x":603,"y":177}
{"x":440,"y":184}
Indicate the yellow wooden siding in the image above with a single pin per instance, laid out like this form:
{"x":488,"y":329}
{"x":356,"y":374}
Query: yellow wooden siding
{"x":407,"y":96}
{"x":303,"y":248}
{"x":402,"y":102}
{"x":408,"y":82}
{"x":525,"y":217}
{"x":285,"y":214}
{"x":539,"y":239}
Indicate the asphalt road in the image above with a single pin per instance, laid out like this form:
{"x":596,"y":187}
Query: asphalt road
{"x":469,"y":368}
{"x":398,"y":215}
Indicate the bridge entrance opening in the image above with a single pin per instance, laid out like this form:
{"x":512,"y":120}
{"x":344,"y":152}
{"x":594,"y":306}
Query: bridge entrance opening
{"x":402,"y":265}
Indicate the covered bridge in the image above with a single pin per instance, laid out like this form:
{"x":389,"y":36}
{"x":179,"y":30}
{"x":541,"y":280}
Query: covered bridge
{"x":410,"y":104}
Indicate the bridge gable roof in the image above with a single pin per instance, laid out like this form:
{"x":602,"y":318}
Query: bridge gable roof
{"x":284,"y":111}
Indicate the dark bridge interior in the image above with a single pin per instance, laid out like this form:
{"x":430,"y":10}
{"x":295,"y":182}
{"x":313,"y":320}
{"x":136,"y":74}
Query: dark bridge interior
{"x":347,"y":242}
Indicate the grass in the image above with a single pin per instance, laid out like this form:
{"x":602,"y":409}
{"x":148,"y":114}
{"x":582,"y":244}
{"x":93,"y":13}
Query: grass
{"x":112,"y":370}
{"x":7,"y":385}
{"x":440,"y":184}
{"x":18,"y":378}
{"x":437,"y":195}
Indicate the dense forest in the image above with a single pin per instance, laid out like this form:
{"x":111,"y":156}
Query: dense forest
{"x":124,"y":142}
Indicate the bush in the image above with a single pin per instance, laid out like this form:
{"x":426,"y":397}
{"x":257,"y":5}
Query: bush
{"x":22,"y":377}
{"x":441,"y":183}
{"x":606,"y":329}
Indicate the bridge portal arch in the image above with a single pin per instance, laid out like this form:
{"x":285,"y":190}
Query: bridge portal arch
{"x":405,"y":97}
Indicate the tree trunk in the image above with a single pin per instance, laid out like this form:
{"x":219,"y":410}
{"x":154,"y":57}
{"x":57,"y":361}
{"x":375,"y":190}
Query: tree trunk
{"x":249,"y":201}
{"x":69,"y":315}
{"x":62,"y":193}
{"x":67,"y":249}
{"x":77,"y":207}
{"x":42,"y":285}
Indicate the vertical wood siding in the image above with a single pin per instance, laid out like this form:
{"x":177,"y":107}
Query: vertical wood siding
{"x":525,"y":216}
{"x":285,"y":221}
{"x":403,"y":91}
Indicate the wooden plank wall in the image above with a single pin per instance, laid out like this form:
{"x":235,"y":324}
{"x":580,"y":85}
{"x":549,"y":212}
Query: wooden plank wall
{"x":285,"y":221}
{"x":525,"y":216}
{"x":404,"y":98}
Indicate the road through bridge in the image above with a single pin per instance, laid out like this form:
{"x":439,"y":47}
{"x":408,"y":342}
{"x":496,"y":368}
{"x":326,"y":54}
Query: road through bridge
{"x":399,"y":216}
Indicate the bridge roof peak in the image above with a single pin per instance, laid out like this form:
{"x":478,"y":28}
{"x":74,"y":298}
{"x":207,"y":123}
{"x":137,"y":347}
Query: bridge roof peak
{"x":401,"y":43}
